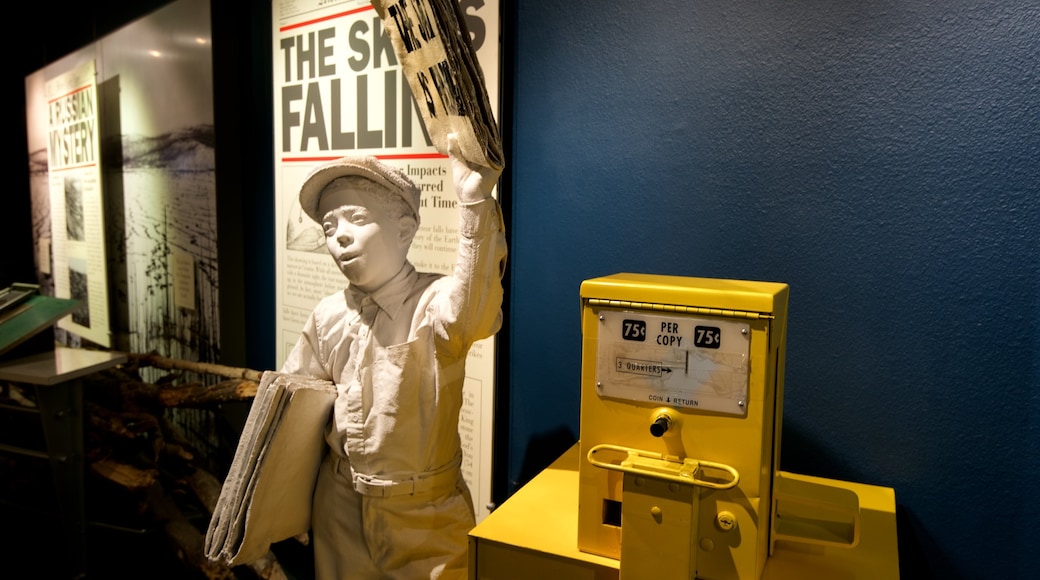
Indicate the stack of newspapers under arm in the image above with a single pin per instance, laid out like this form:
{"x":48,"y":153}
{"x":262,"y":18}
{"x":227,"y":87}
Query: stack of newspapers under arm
{"x":266,"y":497}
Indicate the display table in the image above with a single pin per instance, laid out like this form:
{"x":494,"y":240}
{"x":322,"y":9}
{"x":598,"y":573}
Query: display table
{"x":56,"y":376}
{"x":534,"y":534}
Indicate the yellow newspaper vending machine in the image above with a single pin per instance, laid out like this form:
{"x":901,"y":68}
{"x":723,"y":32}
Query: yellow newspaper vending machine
{"x":681,"y":408}
{"x":676,"y":471}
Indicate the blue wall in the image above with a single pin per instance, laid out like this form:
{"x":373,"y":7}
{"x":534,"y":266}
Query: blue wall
{"x":882,"y":158}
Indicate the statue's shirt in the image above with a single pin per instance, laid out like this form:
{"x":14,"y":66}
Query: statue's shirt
{"x":398,"y":355}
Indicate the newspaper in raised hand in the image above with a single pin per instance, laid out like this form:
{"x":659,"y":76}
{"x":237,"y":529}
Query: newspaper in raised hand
{"x":433,"y":45}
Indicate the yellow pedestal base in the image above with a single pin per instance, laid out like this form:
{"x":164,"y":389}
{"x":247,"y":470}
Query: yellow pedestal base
{"x":534,"y":535}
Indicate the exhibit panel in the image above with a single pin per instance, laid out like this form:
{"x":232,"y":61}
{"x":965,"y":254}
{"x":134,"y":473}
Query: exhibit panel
{"x":122,"y":180}
{"x":77,"y":213}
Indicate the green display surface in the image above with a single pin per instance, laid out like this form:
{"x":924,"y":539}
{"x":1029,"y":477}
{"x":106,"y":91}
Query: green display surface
{"x":30,"y":317}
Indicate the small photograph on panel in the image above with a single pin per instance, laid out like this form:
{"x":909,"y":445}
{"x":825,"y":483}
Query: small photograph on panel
{"x":74,"y":224}
{"x":78,"y":289}
{"x":301,"y":233}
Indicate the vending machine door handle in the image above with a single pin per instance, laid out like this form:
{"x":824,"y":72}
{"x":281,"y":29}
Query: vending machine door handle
{"x":687,"y":471}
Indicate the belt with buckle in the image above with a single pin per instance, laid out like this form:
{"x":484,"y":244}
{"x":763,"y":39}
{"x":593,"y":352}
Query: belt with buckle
{"x":442,"y":478}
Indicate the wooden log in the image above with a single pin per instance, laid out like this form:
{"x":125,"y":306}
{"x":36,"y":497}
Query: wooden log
{"x":196,"y":395}
{"x":162,"y":362}
{"x":177,"y":451}
{"x":124,"y":425}
{"x":116,"y":390}
{"x":206,"y":487}
{"x":185,"y":539}
{"x":127,"y":476}
{"x":268,"y":568}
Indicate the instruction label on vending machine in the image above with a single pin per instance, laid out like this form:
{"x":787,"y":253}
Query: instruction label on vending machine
{"x":676,"y":360}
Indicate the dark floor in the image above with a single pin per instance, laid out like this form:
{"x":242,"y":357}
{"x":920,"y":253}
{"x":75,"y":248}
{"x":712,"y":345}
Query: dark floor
{"x":120,"y":543}
{"x":35,"y":540}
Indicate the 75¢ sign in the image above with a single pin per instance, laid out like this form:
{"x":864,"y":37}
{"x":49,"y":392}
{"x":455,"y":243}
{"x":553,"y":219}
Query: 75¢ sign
{"x":669,"y":334}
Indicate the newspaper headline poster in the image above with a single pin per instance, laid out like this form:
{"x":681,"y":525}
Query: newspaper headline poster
{"x":338,"y":90}
{"x":77,"y":229}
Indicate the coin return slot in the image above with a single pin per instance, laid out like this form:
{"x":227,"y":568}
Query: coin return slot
{"x":612,"y":512}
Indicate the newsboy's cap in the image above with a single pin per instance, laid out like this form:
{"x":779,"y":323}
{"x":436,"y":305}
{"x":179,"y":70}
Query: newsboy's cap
{"x":392,"y":178}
